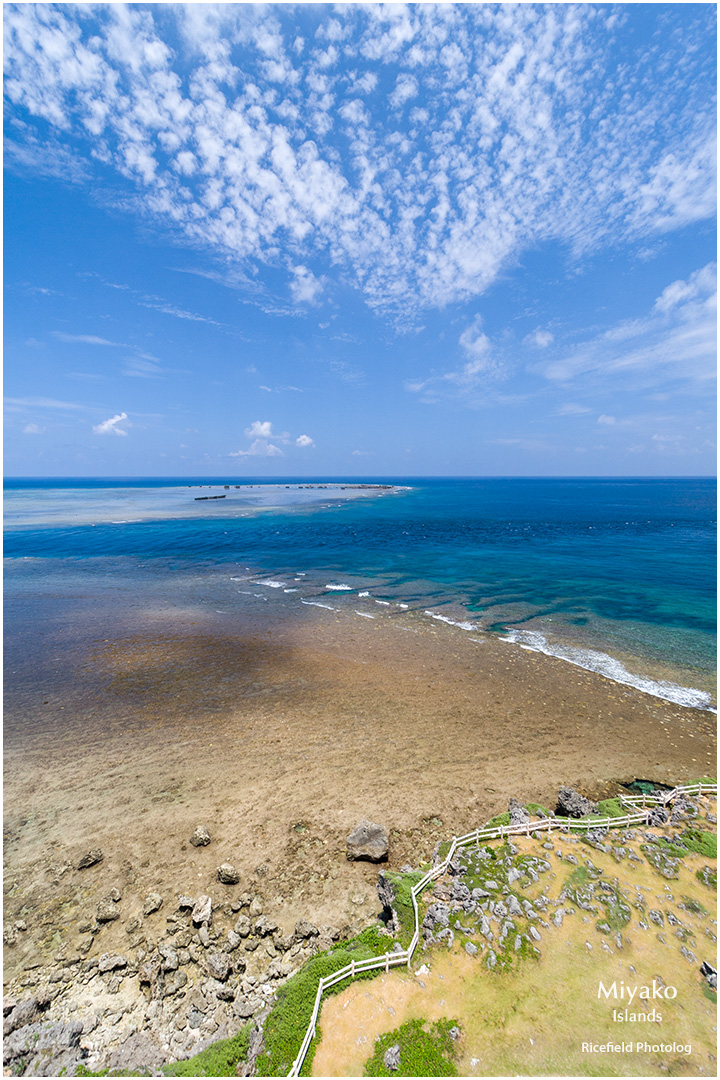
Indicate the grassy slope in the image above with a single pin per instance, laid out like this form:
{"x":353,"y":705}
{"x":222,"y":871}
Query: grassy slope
{"x":531,"y":1018}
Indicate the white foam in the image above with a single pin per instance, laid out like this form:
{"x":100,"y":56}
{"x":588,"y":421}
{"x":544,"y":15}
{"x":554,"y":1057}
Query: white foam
{"x":271,"y":584}
{"x":363,"y":594}
{"x":316,"y":603}
{"x":385,"y":603}
{"x":610,"y":668}
{"x":403,"y":606}
{"x":340,"y":588}
{"x":289,"y":590}
{"x":452,"y":622}
{"x":364,"y":615}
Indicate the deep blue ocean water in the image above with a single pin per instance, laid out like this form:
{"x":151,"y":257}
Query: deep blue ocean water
{"x":620,"y":567}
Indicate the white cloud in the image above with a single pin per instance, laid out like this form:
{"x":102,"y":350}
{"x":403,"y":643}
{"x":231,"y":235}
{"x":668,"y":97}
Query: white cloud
{"x":306,"y":288}
{"x":32,"y":429}
{"x":259,"y":429}
{"x":540,"y":339}
{"x":110,"y":427}
{"x":481,"y":364}
{"x":530,"y":132}
{"x":675,"y":341}
{"x":304,"y":440}
{"x":605,"y":419}
{"x":259,"y":448}
{"x":571,"y":409}
{"x":406,"y":87}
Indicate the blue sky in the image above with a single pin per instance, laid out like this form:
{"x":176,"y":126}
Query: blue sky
{"x":360,"y":240}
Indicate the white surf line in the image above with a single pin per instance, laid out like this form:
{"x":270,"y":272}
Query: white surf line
{"x":316,"y":603}
{"x":545,"y":824}
{"x":609,"y":668}
{"x":452,"y":622}
{"x":364,"y":615}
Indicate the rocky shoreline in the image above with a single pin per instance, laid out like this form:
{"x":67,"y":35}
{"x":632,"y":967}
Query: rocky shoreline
{"x":194,"y":969}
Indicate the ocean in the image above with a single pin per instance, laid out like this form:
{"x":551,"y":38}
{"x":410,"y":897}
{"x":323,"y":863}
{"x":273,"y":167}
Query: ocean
{"x":616,"y":576}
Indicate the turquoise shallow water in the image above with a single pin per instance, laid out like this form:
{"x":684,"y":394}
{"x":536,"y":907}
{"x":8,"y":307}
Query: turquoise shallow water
{"x":614,"y":575}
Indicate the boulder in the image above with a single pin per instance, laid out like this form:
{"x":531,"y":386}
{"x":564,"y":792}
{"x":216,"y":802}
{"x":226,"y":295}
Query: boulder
{"x":518,"y":813}
{"x":170,"y":960}
{"x":391,"y":1058}
{"x":92,"y":858}
{"x":387,"y":893}
{"x":106,"y":911}
{"x":202,"y":912}
{"x":201,"y":837}
{"x":265,"y":926}
{"x":367,"y":841}
{"x":303,"y":929}
{"x":710,"y":974}
{"x":219,"y":966}
{"x":242,"y":926}
{"x":111,"y":962}
{"x":153,"y":901}
{"x":572,"y":804}
{"x":227,"y":874}
{"x":24,"y":1013}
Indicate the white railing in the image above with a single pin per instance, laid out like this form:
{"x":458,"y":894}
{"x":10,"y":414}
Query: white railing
{"x":645,"y":803}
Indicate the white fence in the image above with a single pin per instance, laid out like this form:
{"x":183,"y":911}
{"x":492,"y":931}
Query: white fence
{"x":642,"y":805}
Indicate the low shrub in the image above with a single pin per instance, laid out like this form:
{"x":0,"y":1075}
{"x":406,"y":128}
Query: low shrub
{"x":422,"y":1052}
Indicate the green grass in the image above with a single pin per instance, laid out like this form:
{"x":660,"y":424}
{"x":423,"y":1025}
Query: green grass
{"x":422,"y":1052}
{"x":610,"y":808}
{"x":701,"y":842}
{"x":708,"y":876}
{"x":402,"y":904}
{"x":617,"y":911}
{"x":286,"y":1025}
{"x":220,"y":1059}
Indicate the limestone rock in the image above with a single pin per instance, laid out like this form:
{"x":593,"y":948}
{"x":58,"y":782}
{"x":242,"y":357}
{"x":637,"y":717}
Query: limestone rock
{"x":518,"y":813}
{"x":227,"y":874}
{"x":572,"y":804}
{"x":153,"y":901}
{"x":391,"y":1058}
{"x":106,"y":911}
{"x":265,"y":926}
{"x":304,"y":929}
{"x":93,"y":857}
{"x":202,"y":912}
{"x":111,"y":962}
{"x":367,"y":841}
{"x":219,"y":966}
{"x":201,"y":837}
{"x":242,"y":926}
